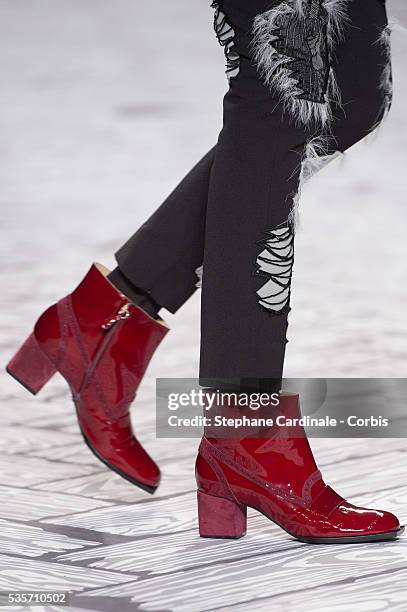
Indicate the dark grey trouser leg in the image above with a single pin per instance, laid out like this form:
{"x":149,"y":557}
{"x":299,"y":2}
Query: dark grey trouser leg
{"x":248,"y":253}
{"x":245,"y":294}
{"x":162,"y":255}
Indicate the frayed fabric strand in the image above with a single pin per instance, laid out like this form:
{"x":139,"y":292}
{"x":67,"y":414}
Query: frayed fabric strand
{"x":226,"y":38}
{"x":319,"y":151}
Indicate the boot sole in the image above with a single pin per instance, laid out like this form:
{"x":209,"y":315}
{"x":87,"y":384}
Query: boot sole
{"x":374,"y":537}
{"x":141,"y":485}
{"x":148,"y":488}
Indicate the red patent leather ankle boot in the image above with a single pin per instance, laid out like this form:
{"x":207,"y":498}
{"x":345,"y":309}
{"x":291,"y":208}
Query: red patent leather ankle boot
{"x":277,"y":475}
{"x":101,"y":344}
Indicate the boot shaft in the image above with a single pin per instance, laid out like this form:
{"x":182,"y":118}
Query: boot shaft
{"x":98,"y":328}
{"x":275,"y":453}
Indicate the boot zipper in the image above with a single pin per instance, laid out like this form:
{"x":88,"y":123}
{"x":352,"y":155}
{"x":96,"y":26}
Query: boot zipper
{"x":123,"y":313}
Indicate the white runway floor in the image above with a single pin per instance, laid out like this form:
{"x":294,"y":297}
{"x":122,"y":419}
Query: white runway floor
{"x":103,"y":108}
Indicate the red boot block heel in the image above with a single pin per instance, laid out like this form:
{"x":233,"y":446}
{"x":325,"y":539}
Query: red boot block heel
{"x":220,"y":517}
{"x":30,"y":366}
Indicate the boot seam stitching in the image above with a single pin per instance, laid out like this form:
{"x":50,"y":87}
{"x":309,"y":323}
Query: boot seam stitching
{"x":291,"y":497}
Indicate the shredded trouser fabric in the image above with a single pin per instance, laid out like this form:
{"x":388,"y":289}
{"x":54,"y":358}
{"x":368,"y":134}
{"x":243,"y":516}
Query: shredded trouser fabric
{"x":305,"y":82}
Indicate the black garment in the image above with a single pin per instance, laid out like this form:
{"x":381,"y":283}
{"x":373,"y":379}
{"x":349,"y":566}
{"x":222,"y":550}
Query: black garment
{"x":233,"y":212}
{"x":135,"y":295}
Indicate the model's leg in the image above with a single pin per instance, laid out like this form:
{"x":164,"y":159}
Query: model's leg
{"x":249,"y":239}
{"x":269,"y":466}
{"x":256,"y":173}
{"x":177,"y":228}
